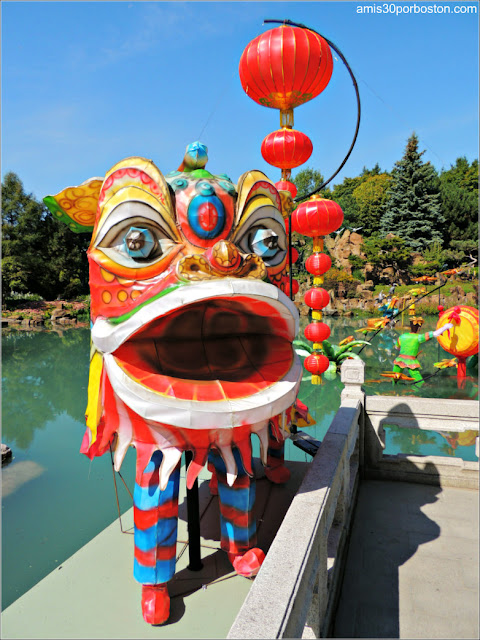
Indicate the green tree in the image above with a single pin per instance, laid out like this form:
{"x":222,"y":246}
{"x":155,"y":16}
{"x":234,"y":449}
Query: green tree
{"x":412,"y":208}
{"x":306,"y":181}
{"x":344,"y":195}
{"x":383,"y":253}
{"x":39,"y":254}
{"x":459,"y":200}
{"x":370,"y":197}
{"x":25,"y":235}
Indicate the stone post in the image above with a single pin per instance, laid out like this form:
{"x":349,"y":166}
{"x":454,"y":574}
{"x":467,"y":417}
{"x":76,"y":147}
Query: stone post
{"x":352,"y":372}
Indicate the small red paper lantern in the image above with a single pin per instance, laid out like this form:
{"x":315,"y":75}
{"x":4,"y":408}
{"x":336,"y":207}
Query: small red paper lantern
{"x":286,"y":148}
{"x":318,"y":263}
{"x":286,"y":286}
{"x":286,"y":185}
{"x":317,"y":298}
{"x":317,"y":331}
{"x":316,"y":363}
{"x":295,"y":255}
{"x":317,"y":217}
{"x":285,"y":67}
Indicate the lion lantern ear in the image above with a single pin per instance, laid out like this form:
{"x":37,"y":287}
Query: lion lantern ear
{"x":77,"y":206}
{"x":254,"y":185}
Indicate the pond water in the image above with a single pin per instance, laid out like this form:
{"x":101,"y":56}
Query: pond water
{"x":55,"y":500}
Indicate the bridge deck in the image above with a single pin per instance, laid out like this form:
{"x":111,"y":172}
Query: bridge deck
{"x":93,"y":594}
{"x":411,"y":572}
{"x":412,"y":564}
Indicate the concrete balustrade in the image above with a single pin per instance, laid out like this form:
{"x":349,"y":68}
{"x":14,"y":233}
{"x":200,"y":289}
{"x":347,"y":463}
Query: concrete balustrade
{"x":294,"y":594}
{"x":296,"y":591}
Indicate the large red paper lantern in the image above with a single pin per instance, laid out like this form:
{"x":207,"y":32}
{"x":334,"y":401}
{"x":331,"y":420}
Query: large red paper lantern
{"x":285,"y":67}
{"x":286,"y":148}
{"x":317,"y":332}
{"x":317,"y":217}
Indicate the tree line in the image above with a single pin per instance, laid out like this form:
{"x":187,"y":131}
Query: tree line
{"x":40,"y":255}
{"x":413,"y":208}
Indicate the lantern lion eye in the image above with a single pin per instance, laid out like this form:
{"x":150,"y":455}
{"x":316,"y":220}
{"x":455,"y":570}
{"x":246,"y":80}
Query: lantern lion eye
{"x":267,"y":239}
{"x":136,"y":242}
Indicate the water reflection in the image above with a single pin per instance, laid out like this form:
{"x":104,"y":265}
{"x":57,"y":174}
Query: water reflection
{"x":44,"y":374}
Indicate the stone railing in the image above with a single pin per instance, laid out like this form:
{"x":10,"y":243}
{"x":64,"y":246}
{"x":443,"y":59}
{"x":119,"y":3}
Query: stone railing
{"x":294,"y":595}
{"x":426,"y":414}
{"x":296,"y":591}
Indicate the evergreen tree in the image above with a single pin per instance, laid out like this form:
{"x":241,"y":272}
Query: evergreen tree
{"x":459,"y":198}
{"x":412,"y":209}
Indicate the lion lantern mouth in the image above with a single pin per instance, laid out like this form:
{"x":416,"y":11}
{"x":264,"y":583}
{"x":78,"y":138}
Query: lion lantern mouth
{"x":205,"y":357}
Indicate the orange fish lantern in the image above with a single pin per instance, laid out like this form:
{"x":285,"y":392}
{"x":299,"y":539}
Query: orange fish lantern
{"x":425,"y":279}
{"x":396,"y":375}
{"x":462,"y":340}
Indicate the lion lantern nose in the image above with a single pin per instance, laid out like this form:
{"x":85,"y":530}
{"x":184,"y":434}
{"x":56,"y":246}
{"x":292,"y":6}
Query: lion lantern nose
{"x":224,"y":256}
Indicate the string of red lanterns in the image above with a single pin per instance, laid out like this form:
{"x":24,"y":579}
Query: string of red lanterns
{"x":282,"y":69}
{"x":317,"y":218}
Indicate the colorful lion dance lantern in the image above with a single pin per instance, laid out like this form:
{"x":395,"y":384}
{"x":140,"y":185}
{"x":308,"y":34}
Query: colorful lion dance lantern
{"x":191,"y":344}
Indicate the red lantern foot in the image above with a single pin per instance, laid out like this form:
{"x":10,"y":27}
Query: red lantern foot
{"x":318,"y":263}
{"x":316,"y":364}
{"x":286,"y":185}
{"x":286,"y":148}
{"x":295,"y":255}
{"x":317,"y":332}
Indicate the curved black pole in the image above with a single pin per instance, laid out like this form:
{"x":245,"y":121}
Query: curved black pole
{"x":357,"y":94}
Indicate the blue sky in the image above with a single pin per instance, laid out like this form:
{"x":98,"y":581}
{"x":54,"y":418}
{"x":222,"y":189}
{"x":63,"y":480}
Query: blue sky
{"x":85,"y":84}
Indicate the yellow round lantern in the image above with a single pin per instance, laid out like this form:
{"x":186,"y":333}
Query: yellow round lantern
{"x":462,"y":340}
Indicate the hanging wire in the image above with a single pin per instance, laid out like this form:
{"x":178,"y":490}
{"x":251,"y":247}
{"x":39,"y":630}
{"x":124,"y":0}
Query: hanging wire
{"x":400,"y":119}
{"x":116,"y":490}
{"x":217,"y":104}
{"x":357,"y":95}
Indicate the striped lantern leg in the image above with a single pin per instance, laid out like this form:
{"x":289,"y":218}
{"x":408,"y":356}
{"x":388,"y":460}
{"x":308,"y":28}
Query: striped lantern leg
{"x":237,"y":522}
{"x":155,"y":514}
